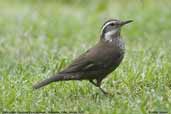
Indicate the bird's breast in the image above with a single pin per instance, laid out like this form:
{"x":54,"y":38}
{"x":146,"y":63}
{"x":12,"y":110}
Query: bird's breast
{"x":118,"y":52}
{"x":119,"y":43}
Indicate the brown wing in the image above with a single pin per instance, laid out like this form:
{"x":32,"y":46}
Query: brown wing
{"x":97,"y":58}
{"x":79,"y":64}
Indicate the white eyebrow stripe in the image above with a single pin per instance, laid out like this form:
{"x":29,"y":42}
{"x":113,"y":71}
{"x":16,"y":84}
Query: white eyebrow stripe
{"x":107,"y":24}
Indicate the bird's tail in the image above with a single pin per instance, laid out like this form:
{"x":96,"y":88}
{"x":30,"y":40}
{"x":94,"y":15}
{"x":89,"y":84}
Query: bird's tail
{"x":48,"y":81}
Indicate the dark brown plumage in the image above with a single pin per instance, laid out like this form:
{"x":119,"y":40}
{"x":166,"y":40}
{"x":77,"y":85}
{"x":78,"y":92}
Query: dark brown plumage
{"x":98,"y":61}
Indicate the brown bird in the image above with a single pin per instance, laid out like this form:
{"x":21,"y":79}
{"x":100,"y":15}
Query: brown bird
{"x":96,"y":63}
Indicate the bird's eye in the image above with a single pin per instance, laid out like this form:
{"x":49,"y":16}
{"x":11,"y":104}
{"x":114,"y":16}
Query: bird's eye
{"x":112,"y":24}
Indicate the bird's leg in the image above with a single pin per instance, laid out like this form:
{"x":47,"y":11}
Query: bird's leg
{"x":98,"y":84}
{"x":91,"y":81}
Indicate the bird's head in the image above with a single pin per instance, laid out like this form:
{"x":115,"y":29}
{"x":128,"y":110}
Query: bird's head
{"x":111,"y":29}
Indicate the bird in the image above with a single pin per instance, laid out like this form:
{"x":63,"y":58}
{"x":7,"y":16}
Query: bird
{"x":97,"y":62}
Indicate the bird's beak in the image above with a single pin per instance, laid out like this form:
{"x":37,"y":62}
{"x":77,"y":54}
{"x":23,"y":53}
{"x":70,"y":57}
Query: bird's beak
{"x":126,"y":22}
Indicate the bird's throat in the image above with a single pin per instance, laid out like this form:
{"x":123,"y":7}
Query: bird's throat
{"x":111,"y":35}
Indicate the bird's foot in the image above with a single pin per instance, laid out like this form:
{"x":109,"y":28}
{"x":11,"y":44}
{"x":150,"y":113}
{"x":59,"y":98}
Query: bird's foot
{"x":103,"y":91}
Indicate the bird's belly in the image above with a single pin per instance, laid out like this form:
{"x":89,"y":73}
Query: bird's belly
{"x":109,"y":67}
{"x":116,"y":60}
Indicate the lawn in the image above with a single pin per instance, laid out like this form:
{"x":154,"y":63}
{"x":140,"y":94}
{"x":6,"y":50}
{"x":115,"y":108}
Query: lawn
{"x":40,"y":38}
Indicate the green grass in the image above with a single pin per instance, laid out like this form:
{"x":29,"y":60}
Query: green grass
{"x":40,"y":38}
